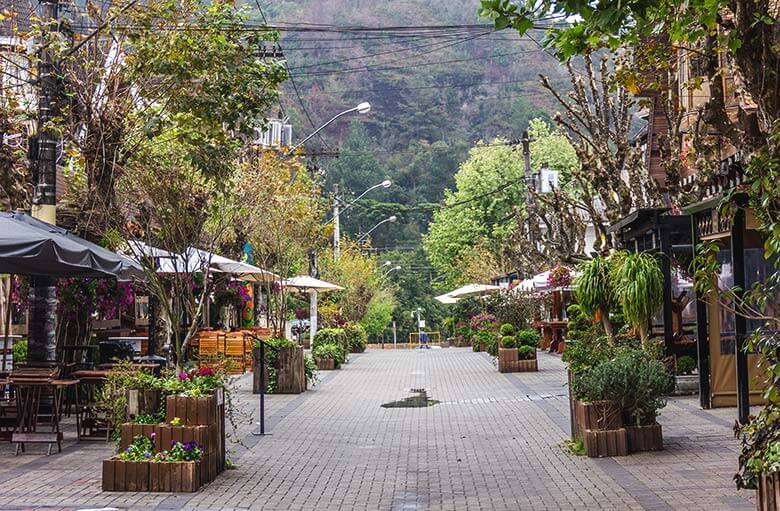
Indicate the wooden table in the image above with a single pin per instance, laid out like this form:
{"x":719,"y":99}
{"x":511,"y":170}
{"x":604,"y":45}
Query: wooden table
{"x":28,"y":402}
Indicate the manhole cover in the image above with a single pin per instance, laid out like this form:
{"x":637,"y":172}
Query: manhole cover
{"x":420,"y":399}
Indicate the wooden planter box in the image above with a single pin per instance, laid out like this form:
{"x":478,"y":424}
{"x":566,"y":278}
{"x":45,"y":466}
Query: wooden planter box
{"x":509,"y":362}
{"x":201,"y":411}
{"x":645,"y":438}
{"x":325,"y":364}
{"x":139,"y":476}
{"x":142,"y":402}
{"x":291,"y":374}
{"x":768,"y":492}
{"x":598,"y":415}
{"x":121,"y":475}
{"x":179,"y":477}
{"x":165,"y":435}
{"x":600,"y":444}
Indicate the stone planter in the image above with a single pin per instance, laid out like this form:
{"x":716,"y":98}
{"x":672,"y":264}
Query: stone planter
{"x":325,"y":364}
{"x":768,"y":492}
{"x":686,"y":385}
{"x":645,"y":438}
{"x":603,"y":443}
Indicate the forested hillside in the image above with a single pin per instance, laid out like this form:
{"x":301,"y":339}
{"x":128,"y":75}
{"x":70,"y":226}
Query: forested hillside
{"x":434,"y":93}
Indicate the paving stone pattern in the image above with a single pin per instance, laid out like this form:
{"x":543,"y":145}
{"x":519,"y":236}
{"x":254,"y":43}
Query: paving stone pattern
{"x":493,"y":442}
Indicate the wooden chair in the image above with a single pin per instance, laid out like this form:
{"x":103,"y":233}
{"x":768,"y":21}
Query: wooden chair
{"x":211,"y":343}
{"x":235,"y":350}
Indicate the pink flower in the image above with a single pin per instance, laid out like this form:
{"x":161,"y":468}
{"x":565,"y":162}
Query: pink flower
{"x":205,"y":371}
{"x":184,"y":376}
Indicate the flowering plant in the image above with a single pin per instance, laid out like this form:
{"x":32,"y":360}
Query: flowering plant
{"x":142,"y":449}
{"x":84,"y":296}
{"x":483,"y":321}
{"x":187,"y":451}
{"x":231,"y":292}
{"x":559,"y":276}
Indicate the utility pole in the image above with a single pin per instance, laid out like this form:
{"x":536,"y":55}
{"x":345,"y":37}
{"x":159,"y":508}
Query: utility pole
{"x":43,"y":299}
{"x":336,"y":224}
{"x":529,"y":178}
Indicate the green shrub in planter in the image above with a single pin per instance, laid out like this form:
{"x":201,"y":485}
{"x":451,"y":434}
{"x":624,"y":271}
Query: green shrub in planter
{"x":686,"y":364}
{"x":357,"y":338}
{"x":310,"y":368}
{"x":508,"y":341}
{"x":331,"y":351}
{"x":507,"y":329}
{"x":526,"y":352}
{"x":528,"y":337}
{"x":634,"y":380}
{"x":331,"y":336}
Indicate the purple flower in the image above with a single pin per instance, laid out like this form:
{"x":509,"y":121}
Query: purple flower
{"x":183,"y":376}
{"x":128,"y":449}
{"x":152,"y":435}
{"x":147,"y":454}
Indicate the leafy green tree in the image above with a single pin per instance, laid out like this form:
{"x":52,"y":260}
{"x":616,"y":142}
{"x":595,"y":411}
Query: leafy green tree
{"x":489,"y":186}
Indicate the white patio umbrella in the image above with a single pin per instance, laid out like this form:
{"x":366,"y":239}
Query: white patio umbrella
{"x":445,"y":298}
{"x":312,"y":286}
{"x":308,"y":284}
{"x":473,"y":289}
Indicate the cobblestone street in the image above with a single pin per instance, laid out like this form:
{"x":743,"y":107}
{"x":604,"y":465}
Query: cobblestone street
{"x":493,"y":441}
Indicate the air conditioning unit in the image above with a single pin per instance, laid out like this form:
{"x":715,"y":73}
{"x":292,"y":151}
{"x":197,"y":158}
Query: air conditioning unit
{"x":277,"y":134}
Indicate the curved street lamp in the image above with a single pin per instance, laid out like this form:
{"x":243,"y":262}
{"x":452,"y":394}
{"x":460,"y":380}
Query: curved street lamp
{"x":392,"y":218}
{"x":391,"y":270}
{"x":337,"y":212}
{"x":362,"y":108}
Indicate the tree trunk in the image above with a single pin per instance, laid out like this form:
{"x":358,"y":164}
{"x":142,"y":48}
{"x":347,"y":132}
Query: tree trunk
{"x":42,"y":348}
{"x":608,"y":329}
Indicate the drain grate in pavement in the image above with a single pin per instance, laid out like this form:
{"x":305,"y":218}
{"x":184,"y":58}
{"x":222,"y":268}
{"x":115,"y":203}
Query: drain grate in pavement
{"x":420,"y":399}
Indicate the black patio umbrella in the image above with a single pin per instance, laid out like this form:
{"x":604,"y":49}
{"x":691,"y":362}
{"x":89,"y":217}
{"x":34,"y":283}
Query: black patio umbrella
{"x":29,"y":246}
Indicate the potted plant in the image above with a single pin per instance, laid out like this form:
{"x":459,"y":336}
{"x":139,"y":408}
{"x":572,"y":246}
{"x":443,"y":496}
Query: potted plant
{"x":335,"y":336}
{"x":284,"y":366}
{"x":328,"y":356}
{"x":759,"y":461}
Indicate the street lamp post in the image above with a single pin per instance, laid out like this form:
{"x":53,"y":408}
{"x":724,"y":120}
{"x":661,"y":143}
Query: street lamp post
{"x":391,"y":270}
{"x":392,"y":218}
{"x":362,"y":108}
{"x":337,"y":211}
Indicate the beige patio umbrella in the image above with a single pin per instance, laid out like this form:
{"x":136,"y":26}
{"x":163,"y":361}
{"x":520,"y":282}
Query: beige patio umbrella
{"x":473,"y":289}
{"x":307,"y":284}
{"x":310,"y":285}
{"x":445,"y":298}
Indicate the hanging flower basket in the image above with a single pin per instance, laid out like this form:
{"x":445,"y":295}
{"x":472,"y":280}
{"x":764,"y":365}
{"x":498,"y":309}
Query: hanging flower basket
{"x":559,"y":276}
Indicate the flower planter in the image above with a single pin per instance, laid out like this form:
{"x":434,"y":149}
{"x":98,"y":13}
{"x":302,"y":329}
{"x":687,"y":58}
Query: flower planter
{"x":325,"y":364}
{"x":136,"y":476}
{"x":291,"y":374}
{"x":603,"y":443}
{"x":165,"y":435}
{"x":768,"y":492}
{"x":597,"y":415}
{"x":119,"y":475}
{"x":179,"y":477}
{"x":201,"y":411}
{"x":645,"y":438}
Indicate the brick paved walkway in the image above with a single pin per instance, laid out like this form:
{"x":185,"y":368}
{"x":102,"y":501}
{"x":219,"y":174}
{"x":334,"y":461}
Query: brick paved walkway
{"x":493,"y":442}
